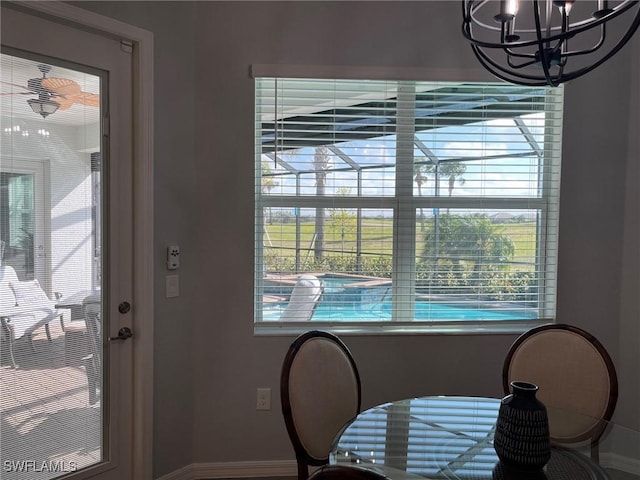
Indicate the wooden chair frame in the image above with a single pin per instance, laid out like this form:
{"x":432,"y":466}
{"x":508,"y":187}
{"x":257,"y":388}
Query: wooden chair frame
{"x":594,"y":434}
{"x":303,"y":458}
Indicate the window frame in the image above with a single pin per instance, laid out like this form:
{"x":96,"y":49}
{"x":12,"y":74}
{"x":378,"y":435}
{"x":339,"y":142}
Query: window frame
{"x":405,"y":206}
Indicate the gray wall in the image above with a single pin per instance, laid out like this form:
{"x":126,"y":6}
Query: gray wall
{"x":628,"y":410}
{"x":208,"y":362}
{"x":176,"y":219}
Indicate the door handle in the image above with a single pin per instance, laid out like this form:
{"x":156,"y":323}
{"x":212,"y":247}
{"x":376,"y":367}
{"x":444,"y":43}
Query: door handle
{"x":123,"y":334}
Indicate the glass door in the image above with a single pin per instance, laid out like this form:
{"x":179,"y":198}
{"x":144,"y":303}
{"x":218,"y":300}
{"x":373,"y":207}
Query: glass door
{"x":51,"y":374}
{"x":66,"y":368}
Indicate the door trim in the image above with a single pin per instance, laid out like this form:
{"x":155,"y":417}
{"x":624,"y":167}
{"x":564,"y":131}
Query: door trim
{"x":142,"y":67}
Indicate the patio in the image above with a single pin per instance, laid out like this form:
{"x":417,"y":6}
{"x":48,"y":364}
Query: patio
{"x":47,"y":425}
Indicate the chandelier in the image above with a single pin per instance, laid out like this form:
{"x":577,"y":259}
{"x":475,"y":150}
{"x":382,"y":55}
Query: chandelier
{"x":547,"y":42}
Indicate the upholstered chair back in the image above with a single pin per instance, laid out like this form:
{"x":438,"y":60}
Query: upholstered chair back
{"x":574,"y":373}
{"x":320,"y":393}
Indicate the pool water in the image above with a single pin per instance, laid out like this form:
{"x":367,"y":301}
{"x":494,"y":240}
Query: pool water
{"x":424,"y":311}
{"x":368,"y":299}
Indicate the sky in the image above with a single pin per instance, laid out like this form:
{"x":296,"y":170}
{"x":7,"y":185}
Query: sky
{"x":511,"y":176}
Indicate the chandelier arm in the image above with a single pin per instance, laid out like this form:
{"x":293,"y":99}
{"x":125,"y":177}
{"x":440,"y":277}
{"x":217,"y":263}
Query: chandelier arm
{"x":560,"y":75}
{"x":513,"y":53}
{"x":573,"y":53}
{"x":541,"y":50}
{"x":522,"y":65}
{"x":504,"y":73}
{"x":495,"y":73}
{"x":612,"y":52}
{"x":603,"y":36}
{"x":466,"y":32}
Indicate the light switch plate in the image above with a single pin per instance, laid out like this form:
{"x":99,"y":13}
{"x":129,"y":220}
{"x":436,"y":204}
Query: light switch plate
{"x":172,"y":286}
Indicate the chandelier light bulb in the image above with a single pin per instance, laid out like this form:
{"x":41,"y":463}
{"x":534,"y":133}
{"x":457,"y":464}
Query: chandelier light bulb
{"x":508,"y":10}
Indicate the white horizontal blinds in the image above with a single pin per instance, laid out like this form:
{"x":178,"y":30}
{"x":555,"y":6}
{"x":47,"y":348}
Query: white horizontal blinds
{"x":323,"y":135}
{"x":327,"y":153}
{"x":445,"y":194}
{"x":50,"y":222}
{"x":486,"y":181}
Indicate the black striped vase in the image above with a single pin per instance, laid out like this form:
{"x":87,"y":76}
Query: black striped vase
{"x":522,"y":430}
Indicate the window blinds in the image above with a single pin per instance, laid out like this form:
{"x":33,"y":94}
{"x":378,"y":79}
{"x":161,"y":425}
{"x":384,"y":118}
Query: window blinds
{"x":411,"y":202}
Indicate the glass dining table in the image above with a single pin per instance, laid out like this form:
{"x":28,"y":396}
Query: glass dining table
{"x":449,"y":437}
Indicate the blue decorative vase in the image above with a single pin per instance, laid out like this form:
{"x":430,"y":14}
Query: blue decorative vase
{"x":522,"y":429}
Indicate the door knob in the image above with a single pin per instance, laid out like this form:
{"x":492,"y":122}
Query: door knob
{"x":123,"y":334}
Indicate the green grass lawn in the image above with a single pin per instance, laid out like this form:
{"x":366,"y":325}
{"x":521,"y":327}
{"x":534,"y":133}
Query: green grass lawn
{"x":377,"y":238}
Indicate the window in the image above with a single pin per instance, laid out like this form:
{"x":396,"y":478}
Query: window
{"x":409,"y":205}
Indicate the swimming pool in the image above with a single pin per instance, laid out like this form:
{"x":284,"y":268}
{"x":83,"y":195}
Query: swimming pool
{"x":359,"y":298}
{"x":424,"y":311}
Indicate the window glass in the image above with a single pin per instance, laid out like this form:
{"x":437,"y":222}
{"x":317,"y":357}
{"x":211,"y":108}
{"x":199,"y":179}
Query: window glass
{"x":399,"y":205}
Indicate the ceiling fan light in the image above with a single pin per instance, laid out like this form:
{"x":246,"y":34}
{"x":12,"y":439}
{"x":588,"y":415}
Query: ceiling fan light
{"x":43,"y":107}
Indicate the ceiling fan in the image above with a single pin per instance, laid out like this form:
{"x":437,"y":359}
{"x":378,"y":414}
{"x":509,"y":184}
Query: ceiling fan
{"x":54,"y":93}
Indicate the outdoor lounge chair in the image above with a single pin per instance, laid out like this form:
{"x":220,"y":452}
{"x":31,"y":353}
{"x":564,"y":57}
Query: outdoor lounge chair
{"x":304,"y":298}
{"x":24,"y":308}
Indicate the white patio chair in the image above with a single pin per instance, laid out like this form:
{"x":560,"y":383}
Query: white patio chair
{"x":304,"y":298}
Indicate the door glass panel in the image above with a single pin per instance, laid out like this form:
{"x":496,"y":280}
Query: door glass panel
{"x":17,"y":220}
{"x":51,"y":349}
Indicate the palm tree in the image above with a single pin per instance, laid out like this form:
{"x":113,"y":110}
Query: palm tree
{"x":453,"y":171}
{"x":268,"y":183}
{"x":420,"y":173}
{"x":466,"y":241}
{"x":320,"y":165}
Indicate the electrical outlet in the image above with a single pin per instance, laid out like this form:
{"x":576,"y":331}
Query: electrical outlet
{"x":263,"y":399}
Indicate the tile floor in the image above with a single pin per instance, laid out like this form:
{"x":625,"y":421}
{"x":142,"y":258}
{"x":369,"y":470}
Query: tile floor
{"x":47,"y":425}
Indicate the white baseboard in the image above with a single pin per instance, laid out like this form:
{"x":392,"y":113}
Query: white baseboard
{"x":626,"y":464}
{"x":183,"y":473}
{"x":202,"y":471}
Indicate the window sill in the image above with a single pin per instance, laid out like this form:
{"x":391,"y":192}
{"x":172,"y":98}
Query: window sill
{"x":440,"y":328}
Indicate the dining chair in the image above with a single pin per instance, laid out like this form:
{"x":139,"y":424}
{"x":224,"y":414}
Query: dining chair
{"x":320,"y":392}
{"x":574,"y":373}
{"x":346,"y":472}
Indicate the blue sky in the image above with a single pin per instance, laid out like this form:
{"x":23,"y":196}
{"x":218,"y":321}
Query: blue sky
{"x":511,"y":177}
